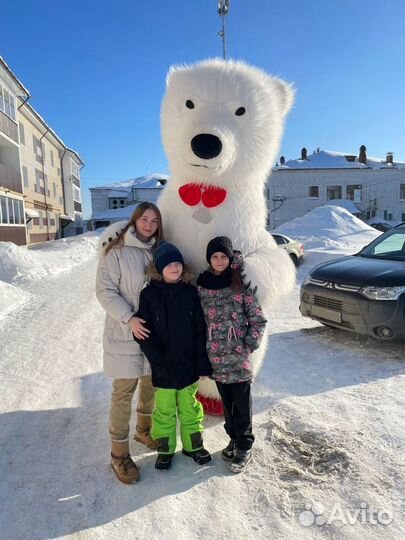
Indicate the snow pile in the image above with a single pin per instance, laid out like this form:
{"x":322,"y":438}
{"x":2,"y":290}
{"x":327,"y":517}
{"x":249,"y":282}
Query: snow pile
{"x":22,"y":267}
{"x":328,"y":227}
{"x":19,"y":264}
{"x":11,"y":298}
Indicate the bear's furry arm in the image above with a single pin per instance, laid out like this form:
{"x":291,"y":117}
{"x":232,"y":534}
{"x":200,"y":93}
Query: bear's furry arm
{"x":271,"y":270}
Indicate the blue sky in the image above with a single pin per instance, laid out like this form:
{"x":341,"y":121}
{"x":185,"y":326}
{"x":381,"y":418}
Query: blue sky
{"x":96,"y":71}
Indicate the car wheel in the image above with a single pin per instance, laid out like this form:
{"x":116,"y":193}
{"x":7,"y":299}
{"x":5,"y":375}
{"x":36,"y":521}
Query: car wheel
{"x":294,"y":259}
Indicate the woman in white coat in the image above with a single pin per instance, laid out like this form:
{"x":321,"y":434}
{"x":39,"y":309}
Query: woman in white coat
{"x":120,"y":279}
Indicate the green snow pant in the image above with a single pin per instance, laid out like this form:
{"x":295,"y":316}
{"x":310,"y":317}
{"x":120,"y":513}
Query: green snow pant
{"x":191,"y":415}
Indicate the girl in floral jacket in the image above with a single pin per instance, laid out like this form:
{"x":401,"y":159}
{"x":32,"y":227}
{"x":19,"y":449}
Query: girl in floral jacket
{"x":235,"y":327}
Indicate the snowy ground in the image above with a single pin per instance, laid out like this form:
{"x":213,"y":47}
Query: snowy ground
{"x":329,"y":421}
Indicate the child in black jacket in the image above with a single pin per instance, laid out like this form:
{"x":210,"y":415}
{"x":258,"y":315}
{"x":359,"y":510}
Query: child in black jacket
{"x":176,"y":349}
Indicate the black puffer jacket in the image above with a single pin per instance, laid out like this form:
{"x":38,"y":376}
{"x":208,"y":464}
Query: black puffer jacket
{"x":176,"y":346}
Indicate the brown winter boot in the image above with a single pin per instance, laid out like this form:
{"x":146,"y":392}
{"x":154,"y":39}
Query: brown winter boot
{"x":142,"y":433}
{"x":122,"y":464}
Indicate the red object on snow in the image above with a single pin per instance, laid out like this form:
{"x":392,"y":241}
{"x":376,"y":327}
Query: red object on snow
{"x":211,"y":406}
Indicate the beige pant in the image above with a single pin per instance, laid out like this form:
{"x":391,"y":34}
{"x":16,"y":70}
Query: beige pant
{"x":121,"y":405}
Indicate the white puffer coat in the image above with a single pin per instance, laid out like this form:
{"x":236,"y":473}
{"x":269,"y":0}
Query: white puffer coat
{"x":120,"y":279}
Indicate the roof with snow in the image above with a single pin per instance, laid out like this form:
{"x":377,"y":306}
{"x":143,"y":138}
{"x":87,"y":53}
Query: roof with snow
{"x":325,"y":159}
{"x":151,"y":181}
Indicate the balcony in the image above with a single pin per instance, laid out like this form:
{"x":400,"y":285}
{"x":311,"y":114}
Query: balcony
{"x":10,"y":179}
{"x":8,"y":127}
{"x":77,"y":206}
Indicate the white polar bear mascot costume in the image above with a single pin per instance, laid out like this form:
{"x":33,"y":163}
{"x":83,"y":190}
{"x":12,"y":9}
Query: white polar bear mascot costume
{"x":222,"y":123}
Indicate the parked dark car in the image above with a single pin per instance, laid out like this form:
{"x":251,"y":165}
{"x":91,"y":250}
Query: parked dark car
{"x":363,"y":293}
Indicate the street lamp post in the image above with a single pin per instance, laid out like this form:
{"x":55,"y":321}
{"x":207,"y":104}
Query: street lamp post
{"x":223,"y":9}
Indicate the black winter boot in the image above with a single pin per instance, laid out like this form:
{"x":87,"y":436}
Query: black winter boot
{"x":228,"y":453}
{"x":163,"y":462}
{"x":201,"y":456}
{"x":240,"y":461}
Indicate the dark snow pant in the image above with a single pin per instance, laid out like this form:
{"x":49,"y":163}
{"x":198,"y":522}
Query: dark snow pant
{"x":237,"y":402}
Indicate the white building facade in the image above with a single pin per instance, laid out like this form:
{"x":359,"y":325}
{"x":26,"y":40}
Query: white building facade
{"x":116,"y":201}
{"x":375,"y":186}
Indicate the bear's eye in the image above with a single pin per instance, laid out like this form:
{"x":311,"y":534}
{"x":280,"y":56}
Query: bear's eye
{"x":240,"y":112}
{"x":189,"y":104}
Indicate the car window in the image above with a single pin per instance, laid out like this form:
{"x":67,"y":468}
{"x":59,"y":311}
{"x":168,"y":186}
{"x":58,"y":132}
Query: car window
{"x":279,"y":239}
{"x":390,"y":246}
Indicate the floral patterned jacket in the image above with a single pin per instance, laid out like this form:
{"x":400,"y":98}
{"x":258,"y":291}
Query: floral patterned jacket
{"x":235,"y":327}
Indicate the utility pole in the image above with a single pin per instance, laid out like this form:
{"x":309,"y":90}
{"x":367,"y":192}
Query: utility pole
{"x":223,"y":9}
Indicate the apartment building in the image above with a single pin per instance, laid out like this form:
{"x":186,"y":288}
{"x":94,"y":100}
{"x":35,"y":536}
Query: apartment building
{"x":12,"y":211}
{"x":39,"y":175}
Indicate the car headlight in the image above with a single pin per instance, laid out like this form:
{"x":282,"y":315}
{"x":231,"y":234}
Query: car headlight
{"x":307,"y":279}
{"x":382,"y":293}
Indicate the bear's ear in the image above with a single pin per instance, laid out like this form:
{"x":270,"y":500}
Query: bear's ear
{"x":174,"y":73}
{"x":285,"y":94}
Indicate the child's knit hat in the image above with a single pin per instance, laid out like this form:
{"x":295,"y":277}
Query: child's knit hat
{"x":165,"y":254}
{"x":222,"y":244}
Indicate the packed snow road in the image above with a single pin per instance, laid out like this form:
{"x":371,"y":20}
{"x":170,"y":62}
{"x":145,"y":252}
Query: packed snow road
{"x":329,"y":424}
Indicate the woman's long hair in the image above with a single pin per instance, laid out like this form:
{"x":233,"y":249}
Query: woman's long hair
{"x":139,"y":211}
{"x":237,"y":280}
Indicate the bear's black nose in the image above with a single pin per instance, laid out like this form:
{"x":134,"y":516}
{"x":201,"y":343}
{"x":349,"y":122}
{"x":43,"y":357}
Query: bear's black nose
{"x":206,"y":146}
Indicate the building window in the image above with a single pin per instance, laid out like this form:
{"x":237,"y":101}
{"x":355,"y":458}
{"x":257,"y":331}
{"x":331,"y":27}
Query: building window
{"x":74,"y":169}
{"x":403,"y":216}
{"x":58,"y":171}
{"x":54,"y":190}
{"x":39,"y":182}
{"x":25,"y":176}
{"x":117,"y":203}
{"x":7,"y":103}
{"x":313,"y":192}
{"x":333,"y":192}
{"x":52,"y":161}
{"x":402,"y":192}
{"x":354,"y":193}
{"x":388,"y":215}
{"x":76,"y":194}
{"x":11,"y":211}
{"x":22,"y":133}
{"x":60,"y":201}
{"x":3,"y":209}
{"x":36,"y":143}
